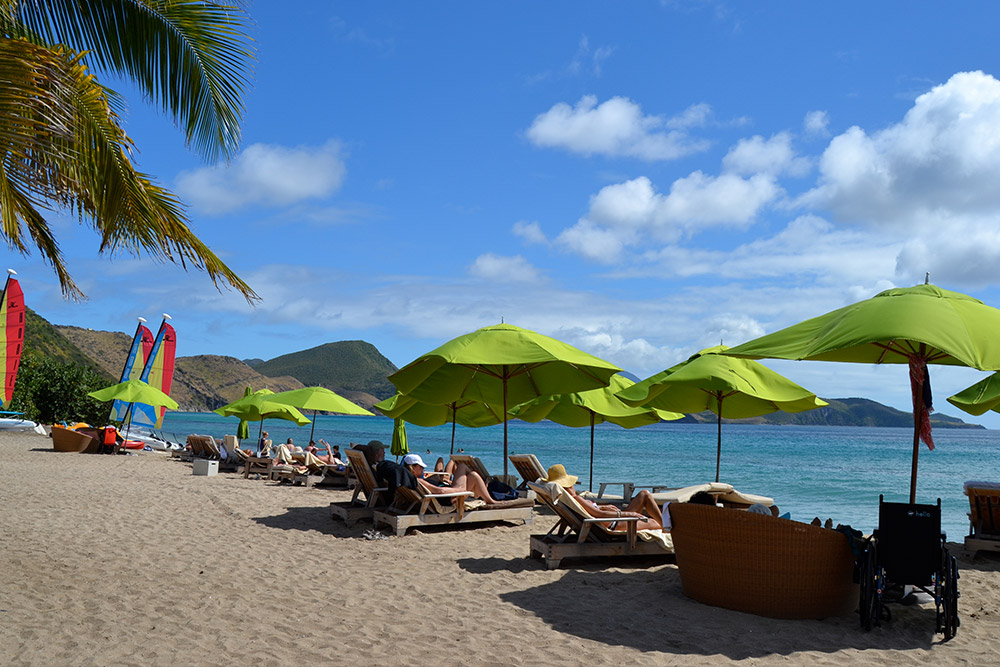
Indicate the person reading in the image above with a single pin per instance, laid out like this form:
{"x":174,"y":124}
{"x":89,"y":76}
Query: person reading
{"x":463,"y":479}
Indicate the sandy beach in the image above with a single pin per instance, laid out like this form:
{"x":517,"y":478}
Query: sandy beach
{"x":133,"y":560}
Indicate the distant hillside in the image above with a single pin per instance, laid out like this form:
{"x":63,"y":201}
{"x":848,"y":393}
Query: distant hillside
{"x":844,"y":412}
{"x":41,"y":337}
{"x":351,"y":368}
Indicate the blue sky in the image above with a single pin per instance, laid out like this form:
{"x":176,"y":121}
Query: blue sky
{"x":641,"y":180}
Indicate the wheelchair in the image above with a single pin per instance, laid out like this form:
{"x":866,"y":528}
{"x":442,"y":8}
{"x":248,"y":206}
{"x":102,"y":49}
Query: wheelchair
{"x":908,"y":549}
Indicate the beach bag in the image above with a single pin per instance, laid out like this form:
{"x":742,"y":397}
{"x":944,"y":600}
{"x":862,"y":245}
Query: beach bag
{"x":500,"y":491}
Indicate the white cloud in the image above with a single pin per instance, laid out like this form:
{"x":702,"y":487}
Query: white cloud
{"x":696,"y":115}
{"x":816,"y":123}
{"x":769,"y":156}
{"x":634,"y":213}
{"x":265,"y":175}
{"x":615,"y":128}
{"x":942,"y":158}
{"x":497,"y":268}
{"x":530,"y":232}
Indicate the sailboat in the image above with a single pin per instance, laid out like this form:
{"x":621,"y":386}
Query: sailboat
{"x":11,"y":346}
{"x":158,"y":371}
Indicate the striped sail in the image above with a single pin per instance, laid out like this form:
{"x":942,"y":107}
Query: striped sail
{"x":159,"y":373}
{"x":142,"y":342}
{"x":11,"y":335}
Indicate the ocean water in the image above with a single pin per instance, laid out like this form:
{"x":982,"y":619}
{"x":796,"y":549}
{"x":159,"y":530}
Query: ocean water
{"x":835,"y":472}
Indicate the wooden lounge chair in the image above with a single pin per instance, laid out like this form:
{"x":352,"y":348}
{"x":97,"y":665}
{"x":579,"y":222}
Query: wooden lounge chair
{"x":418,"y":508}
{"x":374,"y":496}
{"x":579,"y":535}
{"x":762,"y":565}
{"x":984,"y":516}
{"x":528,"y":467}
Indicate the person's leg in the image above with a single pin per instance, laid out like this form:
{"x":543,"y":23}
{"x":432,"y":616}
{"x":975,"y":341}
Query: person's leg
{"x":450,"y":468}
{"x":465,"y":479}
{"x":439,"y":466}
{"x":645,"y":503}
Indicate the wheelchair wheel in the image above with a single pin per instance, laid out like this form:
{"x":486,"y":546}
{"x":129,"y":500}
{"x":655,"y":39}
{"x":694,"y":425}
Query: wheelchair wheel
{"x":949,"y":596}
{"x":868,"y":582}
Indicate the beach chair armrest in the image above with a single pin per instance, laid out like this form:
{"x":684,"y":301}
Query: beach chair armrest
{"x":452,"y":494}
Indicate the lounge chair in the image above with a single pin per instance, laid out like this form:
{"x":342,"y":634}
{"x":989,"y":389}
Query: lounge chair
{"x":984,"y":516}
{"x":418,"y":508}
{"x":579,"y":535}
{"x":528,"y":467}
{"x":374,"y":496}
{"x":762,"y":565}
{"x":68,"y":440}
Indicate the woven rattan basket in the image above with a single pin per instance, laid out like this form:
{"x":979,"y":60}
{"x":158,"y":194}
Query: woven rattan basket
{"x":762,"y":565}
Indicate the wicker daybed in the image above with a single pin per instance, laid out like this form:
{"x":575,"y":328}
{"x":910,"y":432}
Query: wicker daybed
{"x":762,"y":565}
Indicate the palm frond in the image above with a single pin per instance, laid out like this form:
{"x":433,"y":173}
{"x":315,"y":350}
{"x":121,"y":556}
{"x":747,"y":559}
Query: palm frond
{"x":192,"y":58}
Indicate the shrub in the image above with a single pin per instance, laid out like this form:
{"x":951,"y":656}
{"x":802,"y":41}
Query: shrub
{"x":49,"y":391}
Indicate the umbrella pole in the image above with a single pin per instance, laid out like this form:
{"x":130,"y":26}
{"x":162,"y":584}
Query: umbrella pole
{"x":260,"y":434}
{"x":453,"y":418}
{"x":313,"y":431}
{"x":505,"y":421}
{"x":718,"y":451}
{"x":591,"y":451}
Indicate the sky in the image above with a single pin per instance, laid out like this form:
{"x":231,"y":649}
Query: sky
{"x":641,"y":180}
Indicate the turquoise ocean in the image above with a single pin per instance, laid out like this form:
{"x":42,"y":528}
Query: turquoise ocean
{"x":835,"y":472}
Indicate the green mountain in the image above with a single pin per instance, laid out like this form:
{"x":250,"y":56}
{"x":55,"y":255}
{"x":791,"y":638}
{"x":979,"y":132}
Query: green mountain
{"x":349,"y":367}
{"x":44,"y":339}
{"x":843,"y":412}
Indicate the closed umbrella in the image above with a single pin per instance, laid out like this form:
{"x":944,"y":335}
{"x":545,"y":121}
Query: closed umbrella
{"x":243,"y":430}
{"x":501,"y":365}
{"x":467,"y":412}
{"x":912,"y":325}
{"x":399,"y":447}
{"x":319,"y":399}
{"x":729,"y":387}
{"x":587,"y":408}
{"x":131,"y":392}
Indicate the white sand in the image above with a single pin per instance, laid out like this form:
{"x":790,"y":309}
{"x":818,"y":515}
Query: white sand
{"x":134,"y":560}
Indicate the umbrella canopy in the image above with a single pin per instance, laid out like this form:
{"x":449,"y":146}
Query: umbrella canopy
{"x":258,"y":407}
{"x":729,"y":387}
{"x":319,"y":399}
{"x":913,"y":325}
{"x":980,"y":397}
{"x":131,"y":392}
{"x":467,"y":412}
{"x":399,"y":447}
{"x":135,"y":391}
{"x":591,"y":407}
{"x":501,"y":365}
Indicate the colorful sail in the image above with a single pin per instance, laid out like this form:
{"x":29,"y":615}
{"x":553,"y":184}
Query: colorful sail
{"x":11,"y":334}
{"x":142,"y":343}
{"x":159,"y":373}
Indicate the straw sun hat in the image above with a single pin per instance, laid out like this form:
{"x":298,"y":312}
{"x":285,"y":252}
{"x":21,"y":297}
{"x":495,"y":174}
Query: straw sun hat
{"x":557,"y":474}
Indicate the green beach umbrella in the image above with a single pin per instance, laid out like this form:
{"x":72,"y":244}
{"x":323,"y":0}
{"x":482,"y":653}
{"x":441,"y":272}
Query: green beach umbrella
{"x":399,"y":447}
{"x":730,"y":387}
{"x":319,"y":399}
{"x":911,"y":325}
{"x":501,"y":365}
{"x":243,"y":430}
{"x":591,"y":407}
{"x":131,"y":392}
{"x":980,"y":397}
{"x":467,"y":412}
{"x":258,"y":407}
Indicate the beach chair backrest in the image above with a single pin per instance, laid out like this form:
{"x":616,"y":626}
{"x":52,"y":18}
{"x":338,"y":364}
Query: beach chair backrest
{"x":568,"y":509}
{"x":362,"y":471}
{"x":195,"y":443}
{"x":528,"y":466}
{"x":909,"y":541}
{"x":984,"y":507}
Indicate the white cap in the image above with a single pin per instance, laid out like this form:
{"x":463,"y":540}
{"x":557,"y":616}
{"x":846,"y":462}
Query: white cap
{"x":413,"y":459}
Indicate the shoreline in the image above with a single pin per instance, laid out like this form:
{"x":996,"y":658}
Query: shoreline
{"x":137,"y":561}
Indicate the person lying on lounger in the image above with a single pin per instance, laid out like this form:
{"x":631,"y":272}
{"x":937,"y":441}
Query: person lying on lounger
{"x":463,"y":479}
{"x":642,"y":506}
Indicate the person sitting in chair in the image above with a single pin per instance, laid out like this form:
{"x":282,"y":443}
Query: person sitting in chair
{"x":642,"y":506}
{"x":463,"y":479}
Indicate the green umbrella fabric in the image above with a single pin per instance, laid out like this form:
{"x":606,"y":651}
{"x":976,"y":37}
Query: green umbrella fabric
{"x":399,"y":447}
{"x":469,"y":413}
{"x":591,"y":407}
{"x":243,"y":430}
{"x":501,"y":365}
{"x":911,"y":325}
{"x":317,"y":399}
{"x":980,"y":397}
{"x":258,"y":407}
{"x":730,"y":387}
{"x":135,"y":391}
